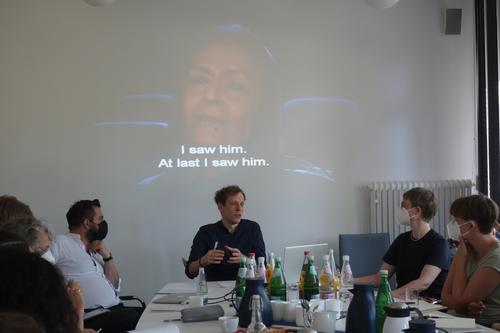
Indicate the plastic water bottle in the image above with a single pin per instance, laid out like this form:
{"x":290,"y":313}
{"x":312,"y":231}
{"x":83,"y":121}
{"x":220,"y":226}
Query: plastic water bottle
{"x":346,"y":274}
{"x":331,"y":260}
{"x":261,"y":269}
{"x":202,"y":282}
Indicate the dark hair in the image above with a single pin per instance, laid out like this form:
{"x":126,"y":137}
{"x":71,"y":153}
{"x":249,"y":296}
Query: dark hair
{"x":478,"y":208}
{"x":17,"y":322}
{"x":35,"y":287}
{"x":423,"y":198}
{"x":11,"y":207}
{"x":225,"y":192}
{"x":81,"y":210}
{"x":12,"y":242}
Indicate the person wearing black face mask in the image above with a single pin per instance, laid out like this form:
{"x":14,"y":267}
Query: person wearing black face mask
{"x":83,"y":256}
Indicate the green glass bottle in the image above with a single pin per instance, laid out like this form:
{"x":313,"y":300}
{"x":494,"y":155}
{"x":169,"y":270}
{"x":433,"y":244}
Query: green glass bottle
{"x":384,"y":298}
{"x":311,"y":281}
{"x":278,"y":283}
{"x":240,"y":281}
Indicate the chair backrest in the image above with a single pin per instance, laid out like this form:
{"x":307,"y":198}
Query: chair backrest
{"x":365,"y":251}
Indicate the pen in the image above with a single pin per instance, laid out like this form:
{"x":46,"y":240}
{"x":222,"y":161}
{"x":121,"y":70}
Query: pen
{"x":98,"y":330}
{"x":215,"y":246}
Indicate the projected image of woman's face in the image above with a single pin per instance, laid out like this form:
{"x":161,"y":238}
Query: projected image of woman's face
{"x":220,"y":95}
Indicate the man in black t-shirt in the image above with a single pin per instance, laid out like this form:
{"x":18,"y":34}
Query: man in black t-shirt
{"x":219,"y":246}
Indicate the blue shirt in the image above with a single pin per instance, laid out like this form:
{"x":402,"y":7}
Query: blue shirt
{"x":246,"y":237}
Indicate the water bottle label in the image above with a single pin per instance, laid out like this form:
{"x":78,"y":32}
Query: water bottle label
{"x":242,"y":272}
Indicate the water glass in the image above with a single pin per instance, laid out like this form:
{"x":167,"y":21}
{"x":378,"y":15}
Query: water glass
{"x":411,"y":296}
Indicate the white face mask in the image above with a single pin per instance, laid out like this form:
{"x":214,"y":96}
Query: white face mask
{"x":454,"y":230}
{"x":403,"y":216}
{"x":49,"y":257}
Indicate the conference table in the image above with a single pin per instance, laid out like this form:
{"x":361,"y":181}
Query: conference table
{"x":156,"y":315}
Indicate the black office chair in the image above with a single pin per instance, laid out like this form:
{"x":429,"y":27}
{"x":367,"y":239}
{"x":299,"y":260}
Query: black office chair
{"x":365,"y":252}
{"x":133,"y":298}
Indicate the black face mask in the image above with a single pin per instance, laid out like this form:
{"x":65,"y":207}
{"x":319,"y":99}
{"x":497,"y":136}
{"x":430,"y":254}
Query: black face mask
{"x":100,"y":233}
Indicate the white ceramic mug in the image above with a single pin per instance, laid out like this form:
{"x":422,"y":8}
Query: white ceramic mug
{"x":324,"y":321}
{"x":228,"y":324}
{"x":299,"y":315}
{"x":278,"y":308}
{"x":289,"y":312}
{"x":334,"y":305}
{"x":195,"y":301}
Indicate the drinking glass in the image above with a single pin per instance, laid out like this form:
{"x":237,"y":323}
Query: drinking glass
{"x":411,"y":296}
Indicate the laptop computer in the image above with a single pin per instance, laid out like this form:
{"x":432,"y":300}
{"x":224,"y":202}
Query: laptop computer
{"x":293,"y":258}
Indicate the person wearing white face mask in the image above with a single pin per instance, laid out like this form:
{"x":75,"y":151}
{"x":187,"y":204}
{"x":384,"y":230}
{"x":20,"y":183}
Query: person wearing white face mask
{"x":420,"y":257}
{"x":473,"y":284}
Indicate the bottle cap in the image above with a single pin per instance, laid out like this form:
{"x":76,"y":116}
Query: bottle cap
{"x":278,"y":259}
{"x":251,"y":255}
{"x":326,"y":257}
{"x":330,"y":251}
{"x":384,"y":272}
{"x":306,"y":253}
{"x":260,"y":259}
{"x":345,"y":257}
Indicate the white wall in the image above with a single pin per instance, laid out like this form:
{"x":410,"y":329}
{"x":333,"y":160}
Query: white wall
{"x":65,"y":66}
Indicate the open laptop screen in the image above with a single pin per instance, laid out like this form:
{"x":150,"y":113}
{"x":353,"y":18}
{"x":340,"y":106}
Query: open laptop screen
{"x":293,"y":257}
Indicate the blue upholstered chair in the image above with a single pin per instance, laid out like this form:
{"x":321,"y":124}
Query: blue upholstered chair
{"x":365,"y":251}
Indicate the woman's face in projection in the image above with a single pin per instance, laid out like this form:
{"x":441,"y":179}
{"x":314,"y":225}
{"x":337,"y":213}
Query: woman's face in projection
{"x":221,"y":93}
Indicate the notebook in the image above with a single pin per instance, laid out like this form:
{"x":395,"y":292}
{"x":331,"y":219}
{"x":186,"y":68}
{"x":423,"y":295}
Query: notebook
{"x":173,"y":298}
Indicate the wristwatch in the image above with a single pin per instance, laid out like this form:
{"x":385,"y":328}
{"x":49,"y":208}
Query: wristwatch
{"x":108,"y":258}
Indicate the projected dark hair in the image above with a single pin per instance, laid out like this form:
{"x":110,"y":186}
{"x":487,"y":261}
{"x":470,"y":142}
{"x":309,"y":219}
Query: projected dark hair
{"x":229,"y":93}
{"x":81,"y":210}
{"x":478,"y":208}
{"x":423,"y":198}
{"x":226,"y":192}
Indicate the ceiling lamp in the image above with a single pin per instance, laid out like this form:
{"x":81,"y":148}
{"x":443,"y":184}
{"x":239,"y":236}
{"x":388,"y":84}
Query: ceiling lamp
{"x":99,"y":3}
{"x":382,"y":4}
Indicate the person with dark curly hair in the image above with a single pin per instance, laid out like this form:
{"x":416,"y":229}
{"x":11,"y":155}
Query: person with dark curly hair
{"x":420,"y":257}
{"x":32,"y":285}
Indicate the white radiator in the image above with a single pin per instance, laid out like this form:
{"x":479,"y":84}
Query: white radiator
{"x":386,"y":197}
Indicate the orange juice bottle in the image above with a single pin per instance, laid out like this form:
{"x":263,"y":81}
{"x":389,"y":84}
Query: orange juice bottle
{"x":270,"y":266}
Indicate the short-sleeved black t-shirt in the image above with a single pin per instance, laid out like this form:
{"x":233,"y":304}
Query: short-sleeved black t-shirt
{"x":410,"y":256}
{"x":247,"y":237}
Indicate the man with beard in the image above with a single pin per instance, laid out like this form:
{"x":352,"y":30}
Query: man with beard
{"x":82,"y":256}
